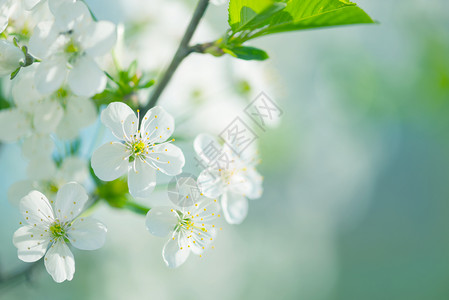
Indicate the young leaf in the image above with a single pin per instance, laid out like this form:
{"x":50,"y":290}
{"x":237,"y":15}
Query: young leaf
{"x":247,"y":53}
{"x":269,"y":16}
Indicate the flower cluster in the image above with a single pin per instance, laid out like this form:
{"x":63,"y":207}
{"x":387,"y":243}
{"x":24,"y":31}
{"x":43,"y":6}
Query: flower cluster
{"x":65,"y":76}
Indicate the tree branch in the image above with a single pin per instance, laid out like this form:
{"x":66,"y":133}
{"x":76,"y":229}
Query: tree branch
{"x":183,"y":51}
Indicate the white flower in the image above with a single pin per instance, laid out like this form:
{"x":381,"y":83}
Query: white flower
{"x":40,"y":115}
{"x":10,"y":57}
{"x":71,"y":169}
{"x":48,"y":230}
{"x":142,"y":150}
{"x":190,"y":229}
{"x":232,"y":178}
{"x":5,"y":10}
{"x":68,"y":48}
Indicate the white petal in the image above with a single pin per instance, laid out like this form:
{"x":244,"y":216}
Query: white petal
{"x":109,"y":162}
{"x":43,"y":39}
{"x":200,"y":240}
{"x":157,"y":125}
{"x":70,"y":201}
{"x":79,"y":113}
{"x":167,"y":158}
{"x":14,"y":125}
{"x":255,"y":183}
{"x":160,"y":221}
{"x":235,"y":207}
{"x":207,"y":148}
{"x":205,"y":210}
{"x":87,"y":234}
{"x":41,"y":168}
{"x":18,"y":190}
{"x":101,"y":39}
{"x":210,"y":183}
{"x":86,"y":78}
{"x":47,"y":116}
{"x":10,"y":57}
{"x":73,"y":169}
{"x":120,"y":119}
{"x":70,"y":15}
{"x":36,"y":209}
{"x":37,"y":146}
{"x":24,"y":90}
{"x":141,"y":179}
{"x":50,"y":75}
{"x":30,"y":4}
{"x":59,"y":262}
{"x":172,"y":253}
{"x":31,"y":243}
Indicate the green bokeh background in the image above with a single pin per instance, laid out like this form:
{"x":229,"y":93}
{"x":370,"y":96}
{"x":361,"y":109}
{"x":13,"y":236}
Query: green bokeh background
{"x":356,"y":180}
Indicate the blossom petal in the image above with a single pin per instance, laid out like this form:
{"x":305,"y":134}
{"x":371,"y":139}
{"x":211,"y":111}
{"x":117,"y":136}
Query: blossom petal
{"x":87,"y":234}
{"x":157,"y":125}
{"x":101,"y":38}
{"x":24,"y":90}
{"x":70,"y":201}
{"x":200,"y":240}
{"x":31,"y":243}
{"x":47,"y":116}
{"x":86,"y":78}
{"x":172,"y":253}
{"x":79,"y":112}
{"x":205,"y":210}
{"x":73,"y":169}
{"x":70,"y":15}
{"x":37,"y":145}
{"x":207,"y":148}
{"x":41,"y":168}
{"x":160,"y":221}
{"x":14,"y":125}
{"x":36,"y":209}
{"x":235,"y":207}
{"x":120,"y":119}
{"x":59,"y":262}
{"x":50,"y":75}
{"x":167,"y":158}
{"x":255,"y":182}
{"x":141,"y":179}
{"x":109,"y":162}
{"x":210,"y":183}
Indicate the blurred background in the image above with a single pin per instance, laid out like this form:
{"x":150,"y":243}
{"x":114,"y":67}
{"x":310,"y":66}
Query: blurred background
{"x":356,"y":175}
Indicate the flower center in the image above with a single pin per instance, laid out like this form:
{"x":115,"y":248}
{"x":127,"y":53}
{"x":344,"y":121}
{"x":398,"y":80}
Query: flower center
{"x":57,"y":230}
{"x":138,"y":147}
{"x":72,"y":48}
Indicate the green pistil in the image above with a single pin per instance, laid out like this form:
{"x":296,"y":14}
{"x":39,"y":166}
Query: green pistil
{"x":57,"y":230}
{"x":139,"y":147}
{"x":72,"y":48}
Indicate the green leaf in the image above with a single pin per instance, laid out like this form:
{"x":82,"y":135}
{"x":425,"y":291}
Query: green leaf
{"x":262,"y":18}
{"x":242,"y":12}
{"x":247,"y":53}
{"x":251,"y":18}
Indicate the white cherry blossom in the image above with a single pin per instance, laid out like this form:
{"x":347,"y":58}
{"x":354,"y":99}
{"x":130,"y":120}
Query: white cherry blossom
{"x":68,"y":47}
{"x":5,"y":10}
{"x":48,"y":230}
{"x":142,"y":151}
{"x":10,"y":57}
{"x":72,"y":169}
{"x":191,"y":229}
{"x":232,"y":178}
